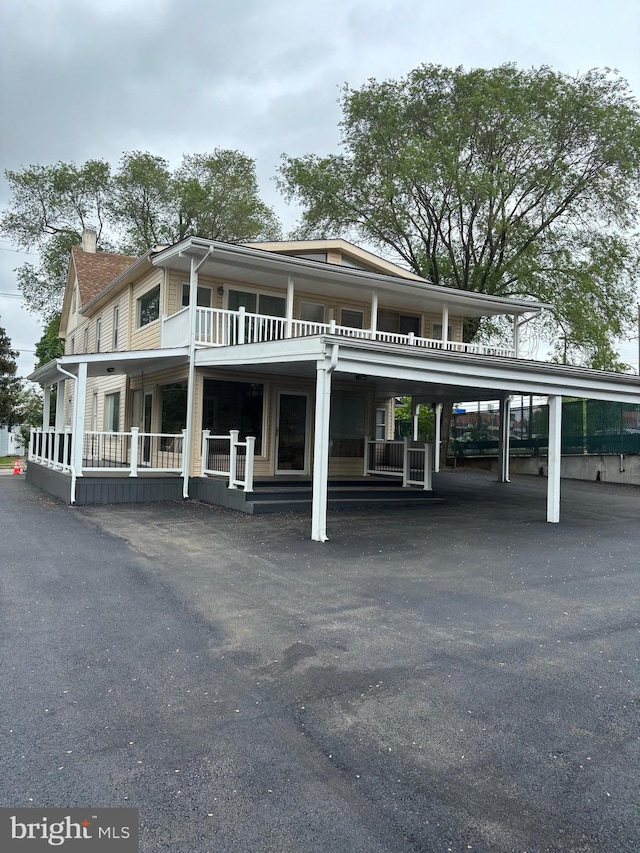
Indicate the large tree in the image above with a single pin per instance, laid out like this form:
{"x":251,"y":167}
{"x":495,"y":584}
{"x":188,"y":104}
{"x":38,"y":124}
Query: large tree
{"x":141,"y":204}
{"x":505,"y":181}
{"x":9,"y":385}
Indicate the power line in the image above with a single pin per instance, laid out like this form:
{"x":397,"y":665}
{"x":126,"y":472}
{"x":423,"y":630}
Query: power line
{"x":13,"y":295}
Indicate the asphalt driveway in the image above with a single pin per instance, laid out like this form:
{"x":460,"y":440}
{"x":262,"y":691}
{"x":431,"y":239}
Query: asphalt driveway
{"x":456,"y":677}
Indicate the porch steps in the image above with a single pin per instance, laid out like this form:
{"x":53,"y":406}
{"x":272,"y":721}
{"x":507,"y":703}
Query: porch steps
{"x":294,"y":496}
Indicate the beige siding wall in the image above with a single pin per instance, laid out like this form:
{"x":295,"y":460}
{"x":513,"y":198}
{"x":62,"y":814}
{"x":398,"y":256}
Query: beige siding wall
{"x":148,"y":336}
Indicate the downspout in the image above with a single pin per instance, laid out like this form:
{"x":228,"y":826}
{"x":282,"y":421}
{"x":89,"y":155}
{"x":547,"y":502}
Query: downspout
{"x":193,"y":305}
{"x":72,"y":498}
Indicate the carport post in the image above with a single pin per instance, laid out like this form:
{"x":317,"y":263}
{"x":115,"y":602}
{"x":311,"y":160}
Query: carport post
{"x":321,"y":447}
{"x":554,"y":458}
{"x":503,"y":440}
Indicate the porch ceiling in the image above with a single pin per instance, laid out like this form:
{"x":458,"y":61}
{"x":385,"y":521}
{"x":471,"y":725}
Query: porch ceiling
{"x":111,"y":363}
{"x":432,"y":374}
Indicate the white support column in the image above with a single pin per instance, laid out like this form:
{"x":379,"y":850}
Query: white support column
{"x":134,"y":451}
{"x":46,"y":407}
{"x":555,"y":458}
{"x":445,"y":326}
{"x":289,"y":308}
{"x":437,"y":436}
{"x":321,"y":452}
{"x":416,"y":419}
{"x":374,"y":313}
{"x":60,"y":406}
{"x":516,"y":334}
{"x":79,"y":402}
{"x":503,"y":440}
{"x":193,"y":305}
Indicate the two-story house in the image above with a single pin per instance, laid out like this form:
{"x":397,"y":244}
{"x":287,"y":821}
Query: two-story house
{"x":205,"y":366}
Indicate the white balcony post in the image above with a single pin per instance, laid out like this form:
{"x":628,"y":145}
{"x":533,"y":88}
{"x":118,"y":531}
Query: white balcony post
{"x":332,"y":327}
{"x":233,"y":456}
{"x":516,"y":334}
{"x":405,"y":463}
{"x":134,"y":451}
{"x":437,"y":437}
{"x":554,"y":459}
{"x":204,"y":453}
{"x":416,"y":420}
{"x":503,"y":440}
{"x":445,"y":327}
{"x":56,"y":449}
{"x":241,"y":324}
{"x":289,"y":308}
{"x":248,"y":468}
{"x":374,"y":313}
{"x":428,"y":466}
{"x":184,"y":470}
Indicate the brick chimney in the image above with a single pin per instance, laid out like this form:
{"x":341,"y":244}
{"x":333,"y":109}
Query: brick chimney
{"x":89,"y":239}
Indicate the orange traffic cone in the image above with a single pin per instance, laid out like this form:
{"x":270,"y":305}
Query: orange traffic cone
{"x":16,"y":467}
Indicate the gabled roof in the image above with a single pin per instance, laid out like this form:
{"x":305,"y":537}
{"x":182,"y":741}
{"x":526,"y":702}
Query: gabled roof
{"x":95,"y":270}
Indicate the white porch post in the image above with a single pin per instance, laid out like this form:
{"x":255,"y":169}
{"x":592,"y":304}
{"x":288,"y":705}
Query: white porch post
{"x":46,"y":407}
{"x":321,"y":447}
{"x":437,"y":436}
{"x":555,"y":457}
{"x":503,"y":440}
{"x":60,"y":406}
{"x":78,"y":424}
{"x":445,"y":326}
{"x":374,"y":313}
{"x":289,"y":308}
{"x":516,"y":334}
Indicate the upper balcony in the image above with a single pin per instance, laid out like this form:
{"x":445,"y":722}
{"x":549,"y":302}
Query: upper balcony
{"x":219,"y":327}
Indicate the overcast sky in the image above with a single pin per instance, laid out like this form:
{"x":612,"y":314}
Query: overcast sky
{"x":84,"y":80}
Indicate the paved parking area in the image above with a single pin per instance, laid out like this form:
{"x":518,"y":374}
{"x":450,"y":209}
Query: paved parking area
{"x":448,"y":678}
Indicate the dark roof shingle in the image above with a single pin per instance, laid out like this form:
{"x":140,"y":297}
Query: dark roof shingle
{"x":96,"y":270}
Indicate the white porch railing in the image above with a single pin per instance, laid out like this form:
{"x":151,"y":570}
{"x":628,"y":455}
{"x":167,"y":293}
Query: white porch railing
{"x":111,"y":452}
{"x":219,"y":327}
{"x":226,"y":456}
{"x":399,"y":459}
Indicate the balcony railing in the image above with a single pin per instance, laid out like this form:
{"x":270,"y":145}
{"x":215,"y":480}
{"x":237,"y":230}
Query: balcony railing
{"x":219,"y":327}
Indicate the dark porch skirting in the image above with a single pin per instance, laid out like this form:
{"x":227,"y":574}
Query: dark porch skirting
{"x":105,"y":489}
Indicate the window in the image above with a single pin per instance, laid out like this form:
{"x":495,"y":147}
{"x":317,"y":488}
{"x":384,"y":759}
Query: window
{"x":404,"y":324}
{"x":437,"y":332}
{"x":381,"y":424}
{"x":98,"y":334}
{"x":352,"y":319}
{"x":233,"y":405}
{"x":148,"y":306}
{"x":116,"y":322}
{"x":204,"y":297}
{"x":347,"y":424}
{"x":173,"y":399}
{"x":85,"y":340}
{"x":312,"y":312}
{"x":257,"y":303}
{"x":72,"y":346}
{"x":112,"y":412}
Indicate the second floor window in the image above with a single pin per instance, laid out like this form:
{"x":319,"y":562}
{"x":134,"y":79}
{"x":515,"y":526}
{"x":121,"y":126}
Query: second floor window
{"x":352,"y":319}
{"x":116,"y":321}
{"x":98,"y":334}
{"x":149,"y":306}
{"x":203,"y":298}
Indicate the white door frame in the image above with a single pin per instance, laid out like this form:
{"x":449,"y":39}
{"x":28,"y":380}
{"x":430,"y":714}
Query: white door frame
{"x":305,"y":470}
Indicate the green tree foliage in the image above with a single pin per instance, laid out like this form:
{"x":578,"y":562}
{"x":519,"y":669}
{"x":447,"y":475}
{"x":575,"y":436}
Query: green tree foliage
{"x":9,"y":385}
{"x":29,"y":407}
{"x":426,"y":421}
{"x":506,"y":182}
{"x":141,"y":204}
{"x":50,"y":346}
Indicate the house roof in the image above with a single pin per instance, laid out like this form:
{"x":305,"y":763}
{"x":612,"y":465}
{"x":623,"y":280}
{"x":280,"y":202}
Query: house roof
{"x":95,"y":270}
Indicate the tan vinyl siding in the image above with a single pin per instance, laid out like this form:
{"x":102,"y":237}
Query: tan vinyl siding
{"x":148,"y":336}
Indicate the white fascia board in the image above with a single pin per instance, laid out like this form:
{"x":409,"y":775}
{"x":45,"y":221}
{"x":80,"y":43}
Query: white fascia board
{"x":509,"y":375}
{"x":49,"y":372}
{"x":480,"y":304}
{"x":309,"y":348}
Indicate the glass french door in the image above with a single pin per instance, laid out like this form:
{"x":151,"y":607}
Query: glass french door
{"x":291,"y":442}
